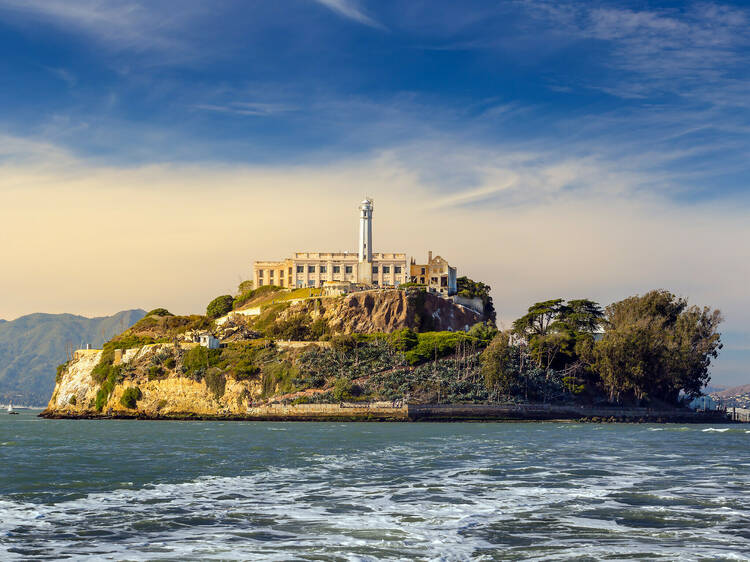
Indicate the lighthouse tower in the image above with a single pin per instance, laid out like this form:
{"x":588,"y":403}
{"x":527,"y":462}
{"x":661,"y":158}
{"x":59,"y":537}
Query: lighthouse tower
{"x":364,"y":267}
{"x":365,"y":230}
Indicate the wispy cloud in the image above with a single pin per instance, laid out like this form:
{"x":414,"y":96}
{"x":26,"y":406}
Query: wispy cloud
{"x":695,"y":52}
{"x":257,"y":109}
{"x":118,"y":24}
{"x":351,"y":10}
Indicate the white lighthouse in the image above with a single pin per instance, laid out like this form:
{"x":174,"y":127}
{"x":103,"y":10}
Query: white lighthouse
{"x":364,"y":267}
{"x":365,"y":230}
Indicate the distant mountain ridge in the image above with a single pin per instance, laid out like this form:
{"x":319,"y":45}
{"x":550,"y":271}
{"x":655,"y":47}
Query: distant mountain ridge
{"x":734,"y":391}
{"x":32,"y":346}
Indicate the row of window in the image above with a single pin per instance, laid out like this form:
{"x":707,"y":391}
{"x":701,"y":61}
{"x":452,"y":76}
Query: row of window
{"x":313,"y":283}
{"x":324,"y":269}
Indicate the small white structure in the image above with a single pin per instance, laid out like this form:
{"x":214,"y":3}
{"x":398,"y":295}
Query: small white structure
{"x":209,"y":341}
{"x":702,"y":403}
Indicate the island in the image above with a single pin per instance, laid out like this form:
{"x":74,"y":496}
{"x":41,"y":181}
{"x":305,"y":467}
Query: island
{"x":374,"y":336}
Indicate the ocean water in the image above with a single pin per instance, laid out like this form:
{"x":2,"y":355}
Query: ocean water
{"x":364,"y":491}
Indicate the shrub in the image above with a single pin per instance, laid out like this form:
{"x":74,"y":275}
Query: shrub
{"x":216,"y":383}
{"x":159,"y":312}
{"x":403,"y":340}
{"x":301,"y":400}
{"x":197,"y":361}
{"x":344,"y":389}
{"x":60,"y":370}
{"x":279,"y":377}
{"x":297,"y":327}
{"x":483,"y":331}
{"x":154,"y":372}
{"x":434,"y":345}
{"x":219,"y":306}
{"x":170,"y":363}
{"x":130,"y":397}
{"x":73,"y":400}
{"x":107,"y":386}
{"x":245,"y":287}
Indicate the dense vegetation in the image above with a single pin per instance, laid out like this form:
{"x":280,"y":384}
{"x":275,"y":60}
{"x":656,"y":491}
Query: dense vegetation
{"x":219,"y":306}
{"x":645,"y":349}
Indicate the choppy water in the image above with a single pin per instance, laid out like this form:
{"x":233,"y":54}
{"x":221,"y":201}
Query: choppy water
{"x":308,"y":491}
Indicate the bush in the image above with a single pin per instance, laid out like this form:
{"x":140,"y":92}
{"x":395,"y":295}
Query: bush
{"x":483,"y":331}
{"x":130,"y":397}
{"x":216,"y":383}
{"x":154,"y":372}
{"x":60,"y":370}
{"x":220,"y":306}
{"x":434,"y":345}
{"x":107,"y":386}
{"x":159,"y":312}
{"x":197,"y":361}
{"x":404,"y":339}
{"x":342,"y":389}
{"x":73,"y":400}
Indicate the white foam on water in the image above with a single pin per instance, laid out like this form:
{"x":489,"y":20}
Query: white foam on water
{"x":400,"y":502}
{"x":715,"y":429}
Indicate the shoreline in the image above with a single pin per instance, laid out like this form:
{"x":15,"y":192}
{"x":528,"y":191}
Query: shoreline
{"x":356,"y":412}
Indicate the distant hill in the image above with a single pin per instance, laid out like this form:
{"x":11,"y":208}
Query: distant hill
{"x":32,"y":346}
{"x":734,"y":391}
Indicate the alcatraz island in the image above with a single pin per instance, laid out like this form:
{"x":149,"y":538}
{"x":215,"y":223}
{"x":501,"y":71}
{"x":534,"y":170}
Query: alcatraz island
{"x":374,"y":336}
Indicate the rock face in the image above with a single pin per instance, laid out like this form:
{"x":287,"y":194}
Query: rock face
{"x":388,"y":311}
{"x":169,"y":395}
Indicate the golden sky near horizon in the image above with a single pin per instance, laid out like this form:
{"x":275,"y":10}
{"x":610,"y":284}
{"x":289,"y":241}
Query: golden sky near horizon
{"x":93,"y":239}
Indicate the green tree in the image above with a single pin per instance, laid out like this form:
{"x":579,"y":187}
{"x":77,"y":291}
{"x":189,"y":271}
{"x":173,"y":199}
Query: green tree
{"x":553,"y":328}
{"x":220,"y":306}
{"x":655,"y":346}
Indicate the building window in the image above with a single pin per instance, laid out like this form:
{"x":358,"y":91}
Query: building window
{"x":270,"y":274}
{"x":260,"y":273}
{"x":423,"y":271}
{"x":433,"y":280}
{"x":386,"y":269}
{"x":260,"y":282}
{"x":337,"y":269}
{"x":396,"y":269}
{"x":311,"y":283}
{"x":299,"y":283}
{"x":348,"y":269}
{"x":322,"y":269}
{"x":374,"y":281}
{"x":443,"y":281}
{"x":300,"y":269}
{"x":290,"y":271}
{"x":311,"y":269}
{"x":374,"y":268}
{"x":421,"y":280}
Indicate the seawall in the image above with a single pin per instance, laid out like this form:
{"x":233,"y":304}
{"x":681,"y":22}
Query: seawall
{"x":396,"y":411}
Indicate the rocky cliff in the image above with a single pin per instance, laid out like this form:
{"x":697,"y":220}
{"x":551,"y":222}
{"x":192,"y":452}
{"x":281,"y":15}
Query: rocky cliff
{"x":385,"y":311}
{"x":163,"y":392}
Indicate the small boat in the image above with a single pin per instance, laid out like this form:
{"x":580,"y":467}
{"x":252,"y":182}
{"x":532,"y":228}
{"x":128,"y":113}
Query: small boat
{"x":11,"y":411}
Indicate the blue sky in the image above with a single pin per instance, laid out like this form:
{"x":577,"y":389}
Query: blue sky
{"x":663,"y":84}
{"x":631,"y":117}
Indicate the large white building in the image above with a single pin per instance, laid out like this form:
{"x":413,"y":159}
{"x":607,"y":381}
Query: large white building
{"x":314,"y":269}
